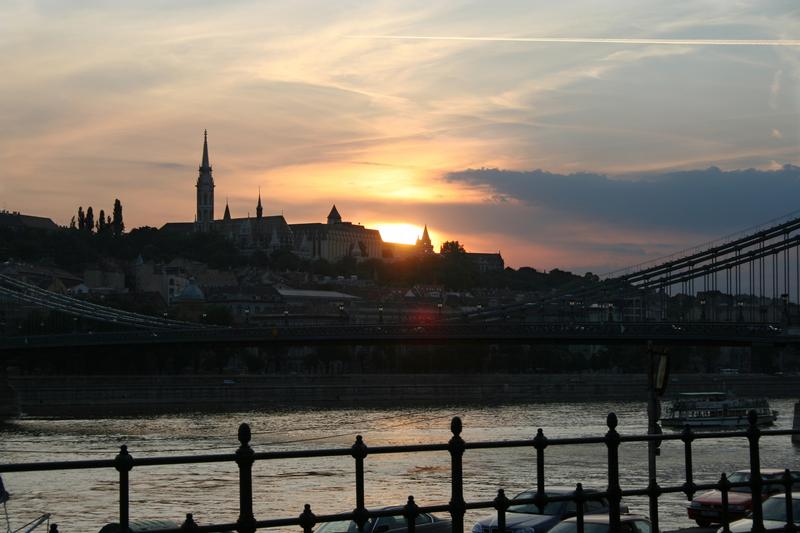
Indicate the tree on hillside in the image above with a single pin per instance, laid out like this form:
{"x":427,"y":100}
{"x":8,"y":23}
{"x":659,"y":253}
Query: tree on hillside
{"x":81,"y":218}
{"x":101,"y":222}
{"x":452,"y":247}
{"x":117,"y":225}
{"x":72,"y":224}
{"x":88,"y":224}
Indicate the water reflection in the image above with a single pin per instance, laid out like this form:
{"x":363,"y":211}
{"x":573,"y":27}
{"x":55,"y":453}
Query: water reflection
{"x":84,"y":500}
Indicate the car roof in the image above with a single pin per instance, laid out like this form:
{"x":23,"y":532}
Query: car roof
{"x":765,"y":471}
{"x":603,"y":518}
{"x":560,"y":489}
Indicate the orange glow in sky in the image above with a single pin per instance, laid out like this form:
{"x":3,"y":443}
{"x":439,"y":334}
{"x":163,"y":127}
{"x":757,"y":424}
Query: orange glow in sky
{"x":402,"y":233}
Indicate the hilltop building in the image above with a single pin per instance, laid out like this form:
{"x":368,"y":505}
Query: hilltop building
{"x":331,"y":241}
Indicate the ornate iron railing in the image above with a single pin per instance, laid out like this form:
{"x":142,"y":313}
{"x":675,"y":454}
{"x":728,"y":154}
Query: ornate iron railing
{"x":245,"y":457}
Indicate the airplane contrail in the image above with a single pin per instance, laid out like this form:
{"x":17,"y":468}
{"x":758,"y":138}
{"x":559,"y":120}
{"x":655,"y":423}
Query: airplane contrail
{"x":592,"y":40}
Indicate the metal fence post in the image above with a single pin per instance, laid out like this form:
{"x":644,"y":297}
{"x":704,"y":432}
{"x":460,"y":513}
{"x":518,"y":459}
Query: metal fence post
{"x":687,"y":437}
{"x":787,"y":485}
{"x":456,"y":447}
{"x":753,"y":435}
{"x":614,"y":490}
{"x":359,"y":452}
{"x":540,"y":443}
{"x":724,"y":488}
{"x":410,"y":513}
{"x":307,"y":519}
{"x":501,"y":504}
{"x":580,"y":499}
{"x":244,"y":458}
{"x":123,"y":462}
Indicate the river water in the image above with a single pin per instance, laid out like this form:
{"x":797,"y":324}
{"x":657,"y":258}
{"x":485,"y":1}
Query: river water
{"x":82,"y":501}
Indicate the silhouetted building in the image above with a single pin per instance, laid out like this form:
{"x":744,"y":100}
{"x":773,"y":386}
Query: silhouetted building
{"x":336,"y":240}
{"x":16,"y":220}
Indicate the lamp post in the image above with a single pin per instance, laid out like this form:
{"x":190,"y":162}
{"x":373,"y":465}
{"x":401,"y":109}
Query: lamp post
{"x":247,"y":317}
{"x":285,"y":317}
{"x":439,"y":309}
{"x":740,"y":314}
{"x":702,"y":309}
{"x":380,"y":314}
{"x":572,"y":310}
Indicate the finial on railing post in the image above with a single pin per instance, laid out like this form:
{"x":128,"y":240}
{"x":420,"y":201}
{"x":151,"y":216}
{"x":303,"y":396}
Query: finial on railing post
{"x":53,"y":528}
{"x":753,"y":436}
{"x":359,"y":452}
{"x":123,"y":462}
{"x":307,"y":519}
{"x":410,"y":513}
{"x":189,"y":524}
{"x":501,"y":505}
{"x":456,"y":447}
{"x":614,"y":491}
{"x":245,"y":459}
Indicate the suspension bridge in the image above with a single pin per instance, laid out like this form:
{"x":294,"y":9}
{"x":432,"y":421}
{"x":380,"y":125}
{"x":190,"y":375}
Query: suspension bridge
{"x":740,"y":290}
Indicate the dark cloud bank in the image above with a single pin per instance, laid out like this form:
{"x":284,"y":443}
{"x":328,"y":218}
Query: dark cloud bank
{"x":709,"y":201}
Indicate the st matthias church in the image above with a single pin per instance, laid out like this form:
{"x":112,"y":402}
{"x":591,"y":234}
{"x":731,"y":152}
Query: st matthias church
{"x":331,"y":241}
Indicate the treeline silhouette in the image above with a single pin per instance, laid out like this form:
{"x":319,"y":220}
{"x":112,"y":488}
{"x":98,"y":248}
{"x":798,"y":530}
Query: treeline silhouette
{"x":76,"y":247}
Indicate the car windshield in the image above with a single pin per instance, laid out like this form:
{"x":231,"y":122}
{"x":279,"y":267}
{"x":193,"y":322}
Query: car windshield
{"x":551,"y":508}
{"x":775,"y":509}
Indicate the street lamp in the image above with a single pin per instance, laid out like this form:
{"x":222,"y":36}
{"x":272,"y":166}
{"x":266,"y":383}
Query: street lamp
{"x":702,"y":309}
{"x":247,"y":316}
{"x":286,"y":317}
{"x":439,"y":308}
{"x":380,"y":314}
{"x":740,"y":307}
{"x":572,"y":310}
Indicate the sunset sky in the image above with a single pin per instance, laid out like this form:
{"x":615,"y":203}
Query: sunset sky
{"x":575,"y":134}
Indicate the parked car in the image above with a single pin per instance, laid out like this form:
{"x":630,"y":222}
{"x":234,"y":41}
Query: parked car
{"x":425,"y":522}
{"x":598,"y":523}
{"x":706,"y":509}
{"x":529,"y":518}
{"x":774,"y":514}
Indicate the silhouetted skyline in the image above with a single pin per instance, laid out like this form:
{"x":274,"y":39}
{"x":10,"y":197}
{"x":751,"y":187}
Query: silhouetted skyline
{"x":305,"y":101}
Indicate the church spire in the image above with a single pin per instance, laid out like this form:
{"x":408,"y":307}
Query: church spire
{"x":227,"y":216}
{"x":259,"y":209}
{"x":204,"y":165}
{"x":424,"y":243}
{"x":205,"y":191}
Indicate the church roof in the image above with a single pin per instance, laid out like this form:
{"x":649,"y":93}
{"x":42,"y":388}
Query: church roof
{"x":334,"y":214}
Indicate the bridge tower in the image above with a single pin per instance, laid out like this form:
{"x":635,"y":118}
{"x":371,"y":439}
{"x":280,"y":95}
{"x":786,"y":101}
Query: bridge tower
{"x":205,"y":192}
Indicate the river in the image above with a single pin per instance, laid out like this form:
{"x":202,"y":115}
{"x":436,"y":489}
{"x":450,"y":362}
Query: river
{"x":84,"y":500}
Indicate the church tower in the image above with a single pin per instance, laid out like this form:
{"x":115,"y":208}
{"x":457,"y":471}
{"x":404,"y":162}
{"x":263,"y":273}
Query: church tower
{"x":205,"y":192}
{"x":259,"y":209}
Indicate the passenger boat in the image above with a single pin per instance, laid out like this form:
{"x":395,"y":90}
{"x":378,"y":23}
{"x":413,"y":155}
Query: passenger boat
{"x":716,"y":409}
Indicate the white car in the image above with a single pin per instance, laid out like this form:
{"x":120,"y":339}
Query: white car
{"x":774,"y":509}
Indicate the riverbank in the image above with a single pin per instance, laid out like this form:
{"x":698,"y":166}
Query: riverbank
{"x":117,"y":395}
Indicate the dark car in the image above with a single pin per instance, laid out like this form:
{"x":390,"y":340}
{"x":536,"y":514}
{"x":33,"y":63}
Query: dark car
{"x":529,"y":518}
{"x":706,"y":509}
{"x":598,"y":523}
{"x":425,"y":522}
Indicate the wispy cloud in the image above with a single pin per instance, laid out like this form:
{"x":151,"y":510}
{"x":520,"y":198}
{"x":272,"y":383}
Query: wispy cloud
{"x":592,"y":40}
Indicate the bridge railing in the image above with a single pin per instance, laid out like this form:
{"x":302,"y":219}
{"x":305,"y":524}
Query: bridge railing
{"x":245,"y":457}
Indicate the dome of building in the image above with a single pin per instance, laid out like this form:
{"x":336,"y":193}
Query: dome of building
{"x":191,"y":293}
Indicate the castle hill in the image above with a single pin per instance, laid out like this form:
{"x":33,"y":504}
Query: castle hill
{"x":400,"y":267}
